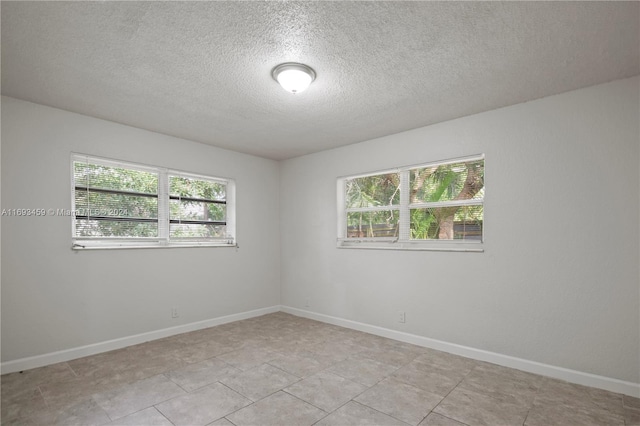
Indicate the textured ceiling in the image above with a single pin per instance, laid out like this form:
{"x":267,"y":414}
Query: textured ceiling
{"x":201,"y":70}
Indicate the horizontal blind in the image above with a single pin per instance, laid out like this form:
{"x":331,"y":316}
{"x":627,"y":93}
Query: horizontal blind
{"x":197,"y":206}
{"x":114,"y":200}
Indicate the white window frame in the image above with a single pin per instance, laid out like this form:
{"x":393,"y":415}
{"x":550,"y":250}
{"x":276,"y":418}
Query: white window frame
{"x":163,"y":239}
{"x":404,"y":241}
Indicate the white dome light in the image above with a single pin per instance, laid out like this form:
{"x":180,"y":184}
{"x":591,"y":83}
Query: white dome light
{"x":293,"y":77}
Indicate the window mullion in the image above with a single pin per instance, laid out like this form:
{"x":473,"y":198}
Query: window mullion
{"x":404,"y":206}
{"x":163,"y":205}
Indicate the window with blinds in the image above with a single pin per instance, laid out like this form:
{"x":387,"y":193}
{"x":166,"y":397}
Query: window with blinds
{"x":434,"y":206}
{"x":198,"y":208}
{"x":118,"y":204}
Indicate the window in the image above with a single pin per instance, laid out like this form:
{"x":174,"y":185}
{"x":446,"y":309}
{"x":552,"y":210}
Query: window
{"x":118,"y":204}
{"x":436,"y":206}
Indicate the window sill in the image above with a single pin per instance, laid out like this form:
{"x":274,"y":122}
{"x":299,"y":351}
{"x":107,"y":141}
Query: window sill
{"x":471,"y":247}
{"x":111,"y":246}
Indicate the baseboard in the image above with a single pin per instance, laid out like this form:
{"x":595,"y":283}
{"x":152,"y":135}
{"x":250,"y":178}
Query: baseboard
{"x":79,"y":352}
{"x":573,"y":376}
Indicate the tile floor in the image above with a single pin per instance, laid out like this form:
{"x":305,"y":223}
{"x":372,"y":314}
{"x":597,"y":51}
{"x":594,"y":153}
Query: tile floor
{"x":283,"y":370}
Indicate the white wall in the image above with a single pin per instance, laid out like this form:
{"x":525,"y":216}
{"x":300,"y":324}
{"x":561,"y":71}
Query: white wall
{"x":56,"y":299}
{"x":558,"y":282}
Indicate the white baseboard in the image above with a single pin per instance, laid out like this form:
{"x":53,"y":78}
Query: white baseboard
{"x":573,"y":376}
{"x":79,"y":352}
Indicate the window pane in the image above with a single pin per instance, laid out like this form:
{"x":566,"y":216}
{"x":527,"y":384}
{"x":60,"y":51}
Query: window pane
{"x":447,"y":223}
{"x":371,"y":191}
{"x":458,"y":181}
{"x":115,"y":228}
{"x":197,"y":210}
{"x":197,"y":188}
{"x":106,"y":177}
{"x":372,"y":224}
{"x":107,"y":204}
{"x":186,"y":230}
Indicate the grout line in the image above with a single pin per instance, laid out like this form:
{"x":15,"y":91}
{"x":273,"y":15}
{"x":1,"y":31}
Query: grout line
{"x":449,"y":393}
{"x":72,"y":370}
{"x":378,"y":411}
{"x":309,"y":403}
{"x":46,"y":404}
{"x":225,"y":417}
{"x":162,"y":414}
{"x":177,"y":384}
{"x":535,"y":397}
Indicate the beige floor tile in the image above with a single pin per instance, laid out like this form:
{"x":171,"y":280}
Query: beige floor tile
{"x":202,"y":406}
{"x":221,"y":422}
{"x":371,"y":341}
{"x":301,"y":365}
{"x":137,"y":396}
{"x":434,"y":419}
{"x":293,"y":343}
{"x":20,"y":403}
{"x":446,"y":361}
{"x":400,"y":400}
{"x":277,"y":410}
{"x":130,"y":364}
{"x":247,"y":358}
{"x":84,"y":413}
{"x":631,"y":402}
{"x":201,"y":336}
{"x":559,"y":414}
{"x":259,"y":381}
{"x":204,"y":350}
{"x":556,"y":392}
{"x":432,"y":379}
{"x":388,"y":354}
{"x":91,"y":365}
{"x":632,"y":417}
{"x":35,"y":377}
{"x":61,"y":395}
{"x":195,"y":376}
{"x":478,"y":409}
{"x":325,"y":390}
{"x":157,"y":356}
{"x":353,"y":413}
{"x":147,"y":417}
{"x":154,"y":348}
{"x":336,"y":351}
{"x":274,"y":328}
{"x":503,"y":383}
{"x":405,"y":347}
{"x":363,"y":370}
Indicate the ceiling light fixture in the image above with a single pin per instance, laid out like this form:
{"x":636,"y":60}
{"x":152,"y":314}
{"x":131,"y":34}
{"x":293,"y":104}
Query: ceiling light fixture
{"x":293,"y":77}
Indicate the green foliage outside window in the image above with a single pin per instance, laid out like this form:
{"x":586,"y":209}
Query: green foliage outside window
{"x":114,"y":201}
{"x":198,"y":207}
{"x":447,"y":182}
{"x":138,"y":200}
{"x":445,"y":202}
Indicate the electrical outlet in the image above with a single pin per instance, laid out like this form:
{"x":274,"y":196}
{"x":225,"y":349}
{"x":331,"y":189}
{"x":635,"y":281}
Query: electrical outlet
{"x":402,"y":317}
{"x":174,"y":312}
